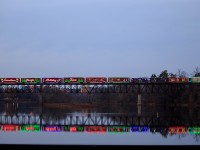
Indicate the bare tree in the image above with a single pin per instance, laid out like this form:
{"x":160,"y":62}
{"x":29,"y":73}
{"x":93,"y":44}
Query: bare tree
{"x":196,"y":137}
{"x":196,"y":72}
{"x":181,"y":73}
{"x":171,"y":75}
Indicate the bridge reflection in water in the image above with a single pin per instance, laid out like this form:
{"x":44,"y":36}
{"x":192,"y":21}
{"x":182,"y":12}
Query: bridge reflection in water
{"x":97,"y":119}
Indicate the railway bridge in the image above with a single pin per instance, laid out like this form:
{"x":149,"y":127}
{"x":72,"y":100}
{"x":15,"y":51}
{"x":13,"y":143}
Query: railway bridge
{"x":101,"y":88}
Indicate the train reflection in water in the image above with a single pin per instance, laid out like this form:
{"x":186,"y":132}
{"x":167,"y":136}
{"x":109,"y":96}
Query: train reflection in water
{"x":171,"y":130}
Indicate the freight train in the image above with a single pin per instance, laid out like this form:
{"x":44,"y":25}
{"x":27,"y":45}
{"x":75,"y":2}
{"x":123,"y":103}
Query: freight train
{"x":82,"y":80}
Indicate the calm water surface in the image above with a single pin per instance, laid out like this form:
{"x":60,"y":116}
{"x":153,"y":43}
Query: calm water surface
{"x":153,"y":125}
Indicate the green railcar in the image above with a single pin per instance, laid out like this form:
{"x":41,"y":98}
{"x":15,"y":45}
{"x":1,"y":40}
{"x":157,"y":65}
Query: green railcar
{"x":30,"y":80}
{"x":30,"y":128}
{"x":74,"y":80}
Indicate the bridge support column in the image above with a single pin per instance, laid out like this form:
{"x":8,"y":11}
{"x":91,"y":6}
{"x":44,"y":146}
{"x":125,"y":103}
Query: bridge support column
{"x":139,"y":110}
{"x":41,"y":105}
{"x":192,"y":103}
{"x":139,"y":100}
{"x":139,"y":105}
{"x":191,"y":97}
{"x":40,"y":99}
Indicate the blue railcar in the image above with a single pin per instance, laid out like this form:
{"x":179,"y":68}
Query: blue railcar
{"x":158,"y":80}
{"x":140,"y":80}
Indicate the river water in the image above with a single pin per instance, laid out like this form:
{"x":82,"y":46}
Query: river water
{"x":29,"y":123}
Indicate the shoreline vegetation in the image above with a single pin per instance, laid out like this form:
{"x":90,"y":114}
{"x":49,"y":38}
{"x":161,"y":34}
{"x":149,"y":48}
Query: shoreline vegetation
{"x":70,"y":105}
{"x":85,"y":105}
{"x":92,"y":105}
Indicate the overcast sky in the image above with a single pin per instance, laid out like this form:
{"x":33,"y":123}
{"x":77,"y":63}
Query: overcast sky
{"x":132,"y":38}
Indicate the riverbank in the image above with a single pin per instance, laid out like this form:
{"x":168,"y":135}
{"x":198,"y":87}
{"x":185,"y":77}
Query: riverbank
{"x":71,"y":105}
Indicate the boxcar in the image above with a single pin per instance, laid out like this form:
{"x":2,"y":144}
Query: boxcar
{"x":74,"y":80}
{"x":52,"y":80}
{"x":194,"y":79}
{"x":135,"y":80}
{"x":96,"y":80}
{"x":158,"y":80}
{"x":118,"y":80}
{"x":181,"y":80}
{"x":9,"y":80}
{"x":30,"y":80}
{"x":172,"y":80}
{"x":140,"y":80}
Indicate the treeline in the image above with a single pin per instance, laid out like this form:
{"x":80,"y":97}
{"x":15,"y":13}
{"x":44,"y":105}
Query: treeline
{"x":180,"y":73}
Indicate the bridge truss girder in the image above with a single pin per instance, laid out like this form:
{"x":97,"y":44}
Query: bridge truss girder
{"x":96,"y":120}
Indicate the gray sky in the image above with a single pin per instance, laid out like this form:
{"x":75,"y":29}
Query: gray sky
{"x":60,"y":38}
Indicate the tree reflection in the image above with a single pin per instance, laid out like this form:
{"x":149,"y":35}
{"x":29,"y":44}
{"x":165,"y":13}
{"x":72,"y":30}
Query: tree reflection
{"x":196,"y":137}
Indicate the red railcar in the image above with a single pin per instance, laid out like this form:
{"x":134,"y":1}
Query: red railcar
{"x":96,"y":80}
{"x":181,"y":80}
{"x":9,"y":80}
{"x":172,"y":80}
{"x":178,"y":130}
{"x":177,"y":80}
{"x":95,"y":129}
{"x":118,"y":80}
{"x":11,"y":127}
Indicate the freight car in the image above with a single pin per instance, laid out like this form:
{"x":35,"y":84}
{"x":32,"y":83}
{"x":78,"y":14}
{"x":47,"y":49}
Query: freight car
{"x":118,"y":80}
{"x":74,"y":80}
{"x":30,"y":80}
{"x":52,"y":80}
{"x":10,"y":80}
{"x":96,"y":80}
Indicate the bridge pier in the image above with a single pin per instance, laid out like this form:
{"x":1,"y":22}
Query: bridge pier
{"x":40,"y":99}
{"x":191,"y":98}
{"x":139,"y":100}
{"x":139,"y":110}
{"x":139,"y":105}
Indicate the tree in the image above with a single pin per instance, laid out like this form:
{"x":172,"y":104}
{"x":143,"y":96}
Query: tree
{"x":164,"y":74}
{"x":196,"y":72}
{"x":182,"y":74}
{"x":171,"y":75}
{"x":153,"y":75}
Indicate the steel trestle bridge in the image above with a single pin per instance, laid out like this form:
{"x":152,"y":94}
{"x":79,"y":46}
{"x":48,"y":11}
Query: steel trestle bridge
{"x":98,"y":87}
